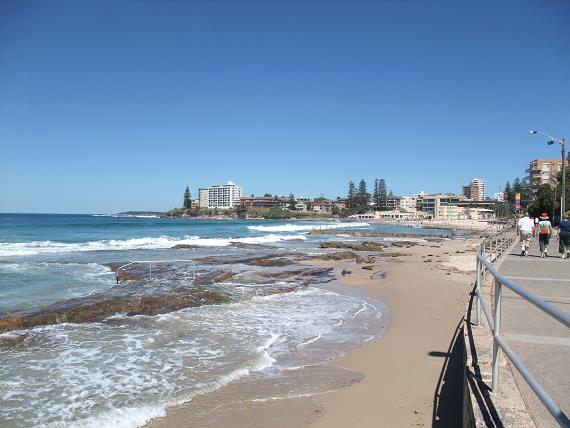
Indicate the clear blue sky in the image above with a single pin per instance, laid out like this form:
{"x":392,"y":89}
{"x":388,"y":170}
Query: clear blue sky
{"x":117,"y":105}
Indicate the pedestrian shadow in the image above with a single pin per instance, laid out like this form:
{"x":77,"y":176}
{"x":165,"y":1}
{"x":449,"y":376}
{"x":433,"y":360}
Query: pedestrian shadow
{"x":448,"y":395}
{"x":479,"y":389}
{"x":452,"y":403}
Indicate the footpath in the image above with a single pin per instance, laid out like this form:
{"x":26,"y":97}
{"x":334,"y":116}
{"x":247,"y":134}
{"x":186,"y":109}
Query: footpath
{"x":542,"y":343}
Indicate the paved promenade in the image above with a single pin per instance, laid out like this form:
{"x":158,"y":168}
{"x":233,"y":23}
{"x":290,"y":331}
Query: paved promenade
{"x":541,"y":342}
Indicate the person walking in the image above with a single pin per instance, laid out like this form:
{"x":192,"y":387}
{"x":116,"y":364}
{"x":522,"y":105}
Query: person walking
{"x":564,"y":236}
{"x":525,"y":230}
{"x":536,"y":230}
{"x":544,"y":233}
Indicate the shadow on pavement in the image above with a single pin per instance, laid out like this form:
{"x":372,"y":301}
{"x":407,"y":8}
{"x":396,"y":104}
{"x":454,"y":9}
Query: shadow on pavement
{"x":448,"y":396}
{"x":478,"y":387}
{"x":451,"y":398}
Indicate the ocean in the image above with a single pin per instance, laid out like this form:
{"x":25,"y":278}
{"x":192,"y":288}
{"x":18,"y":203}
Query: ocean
{"x":231,"y":300}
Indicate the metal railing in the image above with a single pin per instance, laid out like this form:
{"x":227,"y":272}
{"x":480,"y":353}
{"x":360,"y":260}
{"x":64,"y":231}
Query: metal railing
{"x":150,"y":263}
{"x":489,"y":250}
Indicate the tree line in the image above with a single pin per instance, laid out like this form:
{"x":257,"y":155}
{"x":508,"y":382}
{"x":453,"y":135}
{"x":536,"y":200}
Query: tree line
{"x":360,"y":200}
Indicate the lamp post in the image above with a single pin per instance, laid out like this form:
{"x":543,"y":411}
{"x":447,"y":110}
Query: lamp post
{"x":562,"y":142}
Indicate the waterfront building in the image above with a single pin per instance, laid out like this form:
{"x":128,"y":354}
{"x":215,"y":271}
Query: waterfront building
{"x":222,"y":196}
{"x":475,"y":189}
{"x":544,"y":171}
{"x":303,"y":199}
{"x":434,"y":206}
{"x":392,"y":202}
{"x":265,"y":202}
{"x":203,"y":198}
{"x":340,"y":203}
{"x":408,"y":202}
{"x":323,"y":205}
{"x":431,"y":204}
{"x":395,"y":215}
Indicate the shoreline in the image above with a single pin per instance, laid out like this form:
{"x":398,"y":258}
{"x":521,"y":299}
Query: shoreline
{"x":407,"y":357}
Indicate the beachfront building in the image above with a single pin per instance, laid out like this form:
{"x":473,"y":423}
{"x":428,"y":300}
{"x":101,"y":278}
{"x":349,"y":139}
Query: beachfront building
{"x":395,"y":215}
{"x":544,"y":171}
{"x":456,"y":207}
{"x":454,"y":212}
{"x":340,"y":203}
{"x":431,"y":204}
{"x":479,"y":214}
{"x":392,"y":202}
{"x":450,"y":212}
{"x":300,"y":206}
{"x":408,"y":202}
{"x":475,"y":189}
{"x":322,"y":205}
{"x":222,"y":196}
{"x":265,"y":202}
{"x":365,"y":216}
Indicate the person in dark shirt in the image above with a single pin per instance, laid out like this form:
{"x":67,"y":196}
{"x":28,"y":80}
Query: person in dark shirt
{"x":564,"y":237}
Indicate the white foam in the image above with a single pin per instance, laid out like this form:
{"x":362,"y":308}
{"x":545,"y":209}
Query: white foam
{"x":122,"y":417}
{"x":119,"y":372}
{"x":363,"y":308}
{"x":308,"y":342}
{"x":306,"y":227}
{"x":8,"y":249}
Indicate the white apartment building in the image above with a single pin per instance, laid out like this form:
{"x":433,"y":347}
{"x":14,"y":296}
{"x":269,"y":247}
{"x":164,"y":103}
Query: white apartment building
{"x":222,"y":196}
{"x":408,"y":202}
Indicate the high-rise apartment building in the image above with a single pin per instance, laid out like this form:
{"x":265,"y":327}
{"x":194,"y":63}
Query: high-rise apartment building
{"x":223,"y":196}
{"x":544,"y":171}
{"x":475,"y":189}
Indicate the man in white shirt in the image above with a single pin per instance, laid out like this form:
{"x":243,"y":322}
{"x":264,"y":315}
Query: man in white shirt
{"x":525,"y":229}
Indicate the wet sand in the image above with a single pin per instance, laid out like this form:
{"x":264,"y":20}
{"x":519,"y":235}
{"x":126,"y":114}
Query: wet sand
{"x":388,"y":382}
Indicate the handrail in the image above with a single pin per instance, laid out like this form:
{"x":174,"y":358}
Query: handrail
{"x":503,"y":241}
{"x":546,"y":307}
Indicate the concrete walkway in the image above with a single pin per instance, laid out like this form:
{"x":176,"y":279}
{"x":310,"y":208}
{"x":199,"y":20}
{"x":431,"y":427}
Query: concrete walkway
{"x":542,"y":343}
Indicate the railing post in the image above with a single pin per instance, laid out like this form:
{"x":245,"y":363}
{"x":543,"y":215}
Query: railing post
{"x":483,"y":254}
{"x":496,"y":333}
{"x":478,"y":291}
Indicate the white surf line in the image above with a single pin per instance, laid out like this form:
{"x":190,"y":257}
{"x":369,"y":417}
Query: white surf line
{"x":357,"y":312}
{"x":530,"y":278}
{"x":314,"y":339}
{"x":541,"y":340}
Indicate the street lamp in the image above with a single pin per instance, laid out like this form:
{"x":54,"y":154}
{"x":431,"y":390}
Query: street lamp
{"x":562,"y":141}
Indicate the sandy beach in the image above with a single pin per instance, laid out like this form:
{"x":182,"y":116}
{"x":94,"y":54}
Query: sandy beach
{"x":391,"y":381}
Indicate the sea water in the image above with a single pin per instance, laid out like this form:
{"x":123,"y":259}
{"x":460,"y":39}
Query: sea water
{"x":124,"y":370}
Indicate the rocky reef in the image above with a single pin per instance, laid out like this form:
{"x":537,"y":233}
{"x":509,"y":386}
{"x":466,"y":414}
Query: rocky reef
{"x":173,"y":286}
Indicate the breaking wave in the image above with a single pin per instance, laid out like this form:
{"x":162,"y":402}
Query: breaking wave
{"x":8,"y":249}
